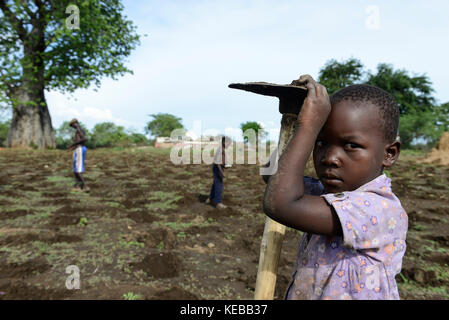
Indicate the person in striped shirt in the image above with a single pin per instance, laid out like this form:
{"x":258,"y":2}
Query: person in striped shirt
{"x":79,"y":155}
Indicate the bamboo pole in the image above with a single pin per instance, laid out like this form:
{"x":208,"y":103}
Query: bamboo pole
{"x":273,"y":235}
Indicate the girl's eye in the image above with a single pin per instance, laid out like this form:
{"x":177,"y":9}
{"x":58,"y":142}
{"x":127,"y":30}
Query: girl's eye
{"x":352,"y":146}
{"x":319,"y":143}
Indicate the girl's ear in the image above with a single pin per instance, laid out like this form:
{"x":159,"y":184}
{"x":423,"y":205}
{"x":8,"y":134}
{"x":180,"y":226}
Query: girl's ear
{"x":391,"y":153}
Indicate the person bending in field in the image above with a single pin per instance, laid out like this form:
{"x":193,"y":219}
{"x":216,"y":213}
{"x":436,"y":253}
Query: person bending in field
{"x":79,"y":156}
{"x":355,"y":227}
{"x":215,"y":196}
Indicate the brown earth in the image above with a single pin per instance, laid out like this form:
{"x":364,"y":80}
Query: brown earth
{"x":144,"y":231}
{"x":439,"y":154}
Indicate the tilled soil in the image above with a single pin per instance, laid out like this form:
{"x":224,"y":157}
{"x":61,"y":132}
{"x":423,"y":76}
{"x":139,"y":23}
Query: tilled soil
{"x":144,"y":231}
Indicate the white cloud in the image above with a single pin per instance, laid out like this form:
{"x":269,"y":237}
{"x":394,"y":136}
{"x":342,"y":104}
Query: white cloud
{"x":64,"y":109}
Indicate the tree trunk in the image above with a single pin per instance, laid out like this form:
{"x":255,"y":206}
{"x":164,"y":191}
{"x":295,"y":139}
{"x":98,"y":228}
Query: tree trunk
{"x":31,"y":124}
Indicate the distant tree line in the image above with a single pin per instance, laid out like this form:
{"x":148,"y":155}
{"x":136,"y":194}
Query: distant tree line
{"x":108,"y":134}
{"x":103,"y":135}
{"x":422,"y":119}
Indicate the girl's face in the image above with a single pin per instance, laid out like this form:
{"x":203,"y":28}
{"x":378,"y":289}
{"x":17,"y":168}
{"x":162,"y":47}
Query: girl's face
{"x":350,"y":149}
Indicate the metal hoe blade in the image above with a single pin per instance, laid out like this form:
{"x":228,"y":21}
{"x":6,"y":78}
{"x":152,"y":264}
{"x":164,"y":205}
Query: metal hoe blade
{"x":290,"y":97}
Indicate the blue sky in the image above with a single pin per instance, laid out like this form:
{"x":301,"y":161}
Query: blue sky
{"x":194,"y":49}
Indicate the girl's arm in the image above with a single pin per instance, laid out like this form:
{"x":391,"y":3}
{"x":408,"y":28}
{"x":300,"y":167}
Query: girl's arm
{"x":284,"y":199}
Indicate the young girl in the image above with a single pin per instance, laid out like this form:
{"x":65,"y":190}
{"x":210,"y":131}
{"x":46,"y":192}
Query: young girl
{"x":355,"y":227}
{"x":79,"y":156}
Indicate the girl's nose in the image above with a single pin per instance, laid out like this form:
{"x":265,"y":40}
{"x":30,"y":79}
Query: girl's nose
{"x":331,"y":157}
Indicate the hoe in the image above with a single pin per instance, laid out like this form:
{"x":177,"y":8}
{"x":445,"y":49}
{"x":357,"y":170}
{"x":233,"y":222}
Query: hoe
{"x":291,"y":98}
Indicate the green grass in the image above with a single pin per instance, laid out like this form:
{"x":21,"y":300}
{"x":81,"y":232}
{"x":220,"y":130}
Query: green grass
{"x":412,"y":152}
{"x":59,"y":179}
{"x":83,"y":222}
{"x":132,"y":296}
{"x":141,"y":181}
{"x":419,"y":227}
{"x":160,"y":247}
{"x":161,"y":200}
{"x":128,"y":244}
{"x":230,"y":236}
{"x":38,"y":216}
{"x":114,"y":204}
{"x":181,"y":235}
{"x":178,"y":226}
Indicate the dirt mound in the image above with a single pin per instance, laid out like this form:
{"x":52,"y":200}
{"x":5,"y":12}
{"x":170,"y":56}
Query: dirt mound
{"x":64,"y":220}
{"x":218,"y":213}
{"x":5,"y":202}
{"x":50,"y":194}
{"x":157,"y":237}
{"x":14,"y":214}
{"x":18,"y":239}
{"x":419,"y":275}
{"x":28,"y":188}
{"x":188,"y":199}
{"x":19,"y":290}
{"x":203,"y":230}
{"x":141,"y":216}
{"x":174,"y":293}
{"x":24,"y":270}
{"x":443,"y":144}
{"x":57,"y":202}
{"x":160,"y":265}
{"x":439,"y":154}
{"x":67,"y":209}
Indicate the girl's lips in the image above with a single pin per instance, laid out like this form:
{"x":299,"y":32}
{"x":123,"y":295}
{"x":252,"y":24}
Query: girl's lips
{"x":331,"y":180}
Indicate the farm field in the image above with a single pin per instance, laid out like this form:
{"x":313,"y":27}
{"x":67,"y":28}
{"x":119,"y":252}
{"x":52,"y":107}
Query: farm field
{"x":144,"y":231}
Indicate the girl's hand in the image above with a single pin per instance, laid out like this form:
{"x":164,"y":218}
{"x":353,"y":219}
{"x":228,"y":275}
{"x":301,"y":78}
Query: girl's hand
{"x":317,"y":106}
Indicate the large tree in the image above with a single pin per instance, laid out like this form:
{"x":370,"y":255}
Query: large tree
{"x":163,"y":124}
{"x":257,"y":129}
{"x":56,"y":45}
{"x":336,"y":75}
{"x":107,"y":134}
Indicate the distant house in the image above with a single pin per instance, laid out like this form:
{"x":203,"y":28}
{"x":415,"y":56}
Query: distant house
{"x":164,"y":142}
{"x":167,"y":142}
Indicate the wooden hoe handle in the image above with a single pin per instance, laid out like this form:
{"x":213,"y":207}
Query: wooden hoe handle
{"x":273,"y":235}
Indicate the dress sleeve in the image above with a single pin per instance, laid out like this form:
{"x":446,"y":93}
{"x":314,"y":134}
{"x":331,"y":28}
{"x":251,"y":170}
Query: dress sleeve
{"x":369,"y":220}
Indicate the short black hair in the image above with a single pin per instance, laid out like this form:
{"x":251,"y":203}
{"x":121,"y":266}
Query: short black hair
{"x":388,"y":107}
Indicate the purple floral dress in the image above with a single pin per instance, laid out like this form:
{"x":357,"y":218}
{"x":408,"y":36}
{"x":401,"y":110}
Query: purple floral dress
{"x":364,"y":262}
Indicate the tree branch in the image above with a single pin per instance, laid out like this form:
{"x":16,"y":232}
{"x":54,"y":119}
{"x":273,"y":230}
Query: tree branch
{"x":16,"y":23}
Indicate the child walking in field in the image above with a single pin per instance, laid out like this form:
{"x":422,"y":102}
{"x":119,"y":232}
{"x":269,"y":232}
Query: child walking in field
{"x":216,"y":192}
{"x":79,"y":156}
{"x":355,"y":227}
